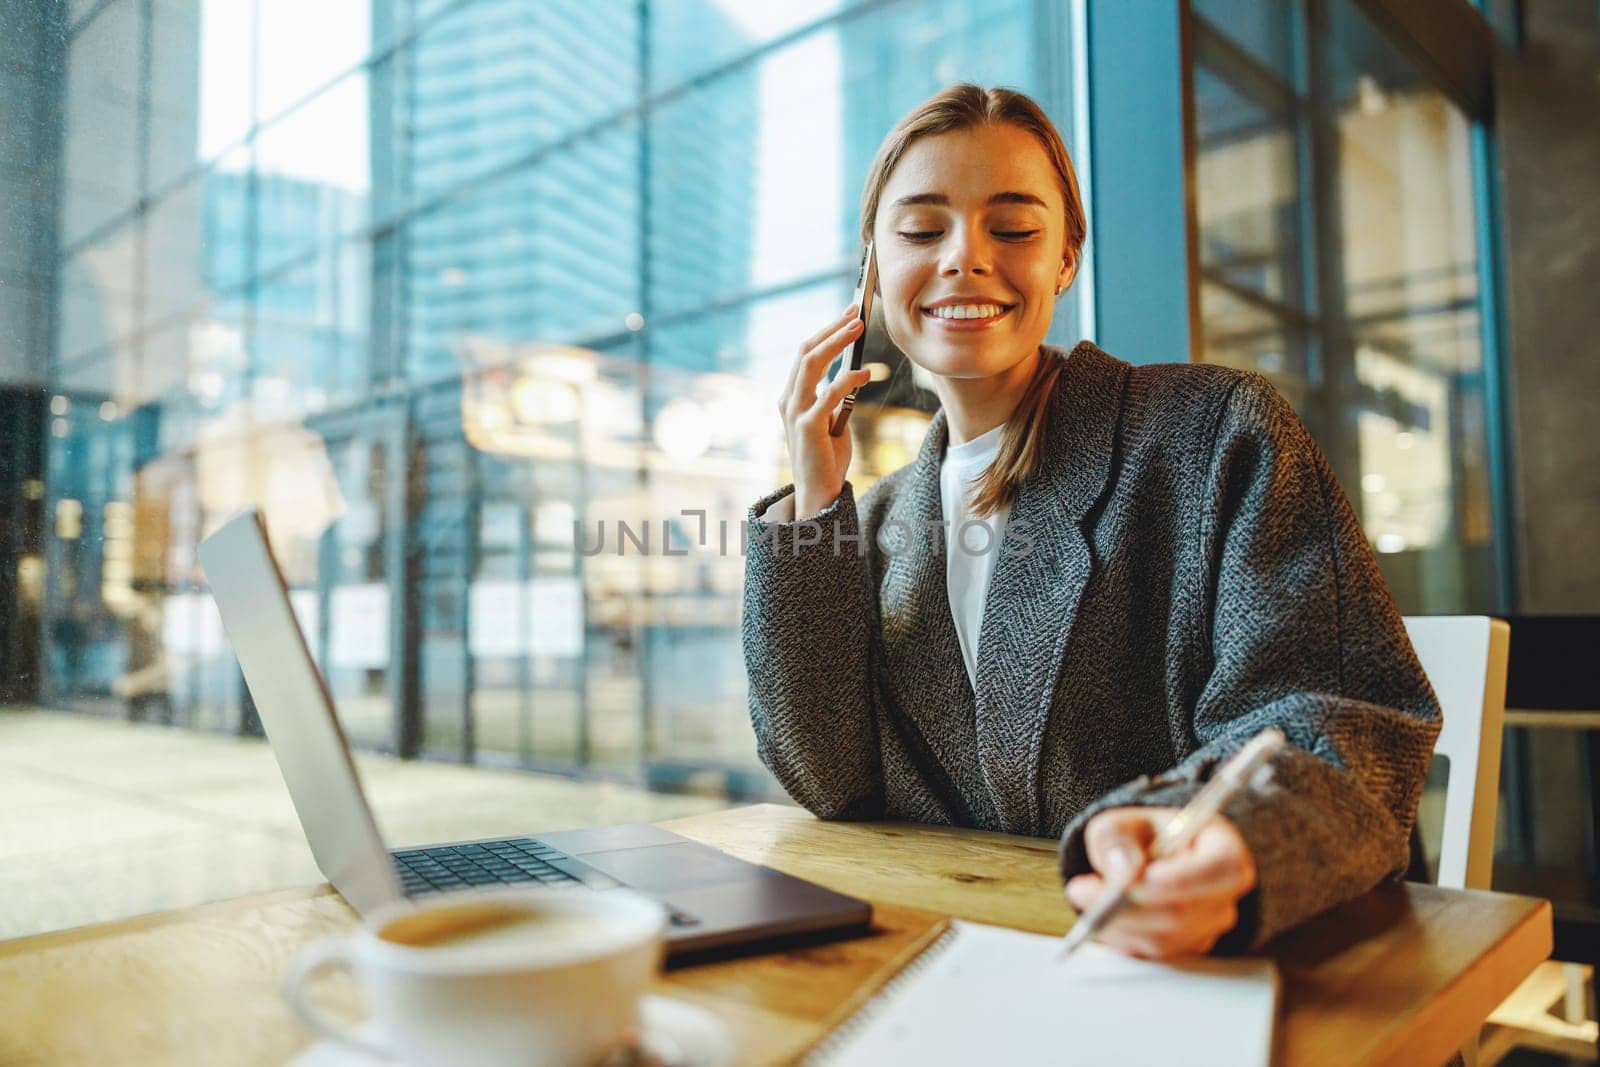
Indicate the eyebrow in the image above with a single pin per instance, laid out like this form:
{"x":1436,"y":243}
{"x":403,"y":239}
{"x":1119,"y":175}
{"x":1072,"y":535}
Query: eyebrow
{"x":944,"y":201}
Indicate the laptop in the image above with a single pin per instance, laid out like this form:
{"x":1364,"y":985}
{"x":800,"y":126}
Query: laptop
{"x":714,"y":900}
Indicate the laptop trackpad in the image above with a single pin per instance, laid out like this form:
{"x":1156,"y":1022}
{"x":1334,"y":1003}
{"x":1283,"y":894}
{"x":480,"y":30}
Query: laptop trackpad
{"x":679,"y":866}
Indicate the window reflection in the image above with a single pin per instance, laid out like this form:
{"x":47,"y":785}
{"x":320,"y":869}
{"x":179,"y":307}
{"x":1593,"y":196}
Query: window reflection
{"x":312,"y":174}
{"x":442,"y":287}
{"x":99,"y":300}
{"x":691,"y":38}
{"x":309,"y":337}
{"x":547,"y":253}
{"x":173,"y":261}
{"x":100,"y":146}
{"x":355,"y":590}
{"x":486,"y":85}
{"x":1339,"y":258}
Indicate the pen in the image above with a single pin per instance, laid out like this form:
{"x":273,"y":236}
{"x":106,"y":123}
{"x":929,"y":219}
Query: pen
{"x":1236,"y":774}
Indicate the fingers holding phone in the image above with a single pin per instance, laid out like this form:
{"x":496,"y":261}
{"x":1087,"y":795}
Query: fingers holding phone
{"x":813,"y":408}
{"x":819,"y":458}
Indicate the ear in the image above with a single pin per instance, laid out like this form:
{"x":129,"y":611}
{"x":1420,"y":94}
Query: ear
{"x":1068,"y":271}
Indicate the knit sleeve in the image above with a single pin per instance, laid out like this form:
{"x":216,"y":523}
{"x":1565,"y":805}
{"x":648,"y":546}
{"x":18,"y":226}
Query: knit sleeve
{"x":1303,"y":635}
{"x":809,"y":614}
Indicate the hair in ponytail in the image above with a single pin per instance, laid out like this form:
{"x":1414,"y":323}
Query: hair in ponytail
{"x":964,"y":106}
{"x":1021,"y":442}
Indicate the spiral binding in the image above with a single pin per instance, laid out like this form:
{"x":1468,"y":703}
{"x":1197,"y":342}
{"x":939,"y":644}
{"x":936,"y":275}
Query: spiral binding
{"x":836,"y":1042}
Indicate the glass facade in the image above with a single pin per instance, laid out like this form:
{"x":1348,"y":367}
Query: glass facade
{"x":486,"y":303}
{"x":1338,"y":256}
{"x":475,"y":300}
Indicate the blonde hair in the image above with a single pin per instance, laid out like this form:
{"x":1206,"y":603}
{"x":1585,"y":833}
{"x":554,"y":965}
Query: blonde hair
{"x":964,"y":106}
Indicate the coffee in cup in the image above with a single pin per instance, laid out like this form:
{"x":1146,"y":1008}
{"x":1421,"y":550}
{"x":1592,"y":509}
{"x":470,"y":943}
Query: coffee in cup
{"x":496,"y":925}
{"x":512,"y":976}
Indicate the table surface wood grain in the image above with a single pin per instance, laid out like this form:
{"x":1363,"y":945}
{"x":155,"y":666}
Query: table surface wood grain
{"x":1401,"y":976}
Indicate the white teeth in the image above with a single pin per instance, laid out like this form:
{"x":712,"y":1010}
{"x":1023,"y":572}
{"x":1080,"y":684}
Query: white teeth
{"x":966,"y":311}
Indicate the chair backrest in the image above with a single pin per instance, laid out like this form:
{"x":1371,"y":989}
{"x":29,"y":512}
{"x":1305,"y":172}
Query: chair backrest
{"x":1464,"y":656}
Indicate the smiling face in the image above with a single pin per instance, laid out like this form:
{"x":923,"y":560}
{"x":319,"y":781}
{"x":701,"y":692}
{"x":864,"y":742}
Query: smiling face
{"x":971,"y":222}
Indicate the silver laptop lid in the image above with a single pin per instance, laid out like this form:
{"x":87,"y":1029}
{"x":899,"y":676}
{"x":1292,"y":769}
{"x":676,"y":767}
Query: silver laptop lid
{"x":297,"y":713}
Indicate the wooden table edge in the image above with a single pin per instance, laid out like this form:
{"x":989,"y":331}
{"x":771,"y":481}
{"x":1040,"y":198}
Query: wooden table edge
{"x":154,"y":920}
{"x":1517,"y":953}
{"x":1434,"y":1035}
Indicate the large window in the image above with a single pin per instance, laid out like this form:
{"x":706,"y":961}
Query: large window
{"x":452,"y":290}
{"x":1339,"y":256}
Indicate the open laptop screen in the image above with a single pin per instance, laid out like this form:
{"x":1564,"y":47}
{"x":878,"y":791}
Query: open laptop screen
{"x":296,"y":712}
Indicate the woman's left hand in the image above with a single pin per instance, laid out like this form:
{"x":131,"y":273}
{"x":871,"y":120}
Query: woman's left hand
{"x":1182,"y":904}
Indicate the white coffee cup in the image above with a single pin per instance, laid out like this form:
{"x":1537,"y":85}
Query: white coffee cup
{"x":523,"y":976}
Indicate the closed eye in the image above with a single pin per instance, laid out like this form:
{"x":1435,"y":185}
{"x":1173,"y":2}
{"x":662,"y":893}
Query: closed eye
{"x":1009,"y":235}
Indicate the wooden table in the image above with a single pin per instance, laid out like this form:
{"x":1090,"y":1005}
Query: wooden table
{"x":1402,"y":976}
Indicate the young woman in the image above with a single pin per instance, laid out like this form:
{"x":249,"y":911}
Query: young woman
{"x":1168,"y":568}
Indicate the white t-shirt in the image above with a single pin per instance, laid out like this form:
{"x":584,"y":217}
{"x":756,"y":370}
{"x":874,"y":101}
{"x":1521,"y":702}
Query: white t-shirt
{"x":971,"y":544}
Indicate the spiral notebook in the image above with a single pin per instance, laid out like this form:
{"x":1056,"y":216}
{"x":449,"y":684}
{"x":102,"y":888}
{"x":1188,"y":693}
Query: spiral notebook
{"x":987,"y":994}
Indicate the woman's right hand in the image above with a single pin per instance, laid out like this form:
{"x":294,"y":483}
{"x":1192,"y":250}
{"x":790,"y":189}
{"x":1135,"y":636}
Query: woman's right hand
{"x":819,"y":459}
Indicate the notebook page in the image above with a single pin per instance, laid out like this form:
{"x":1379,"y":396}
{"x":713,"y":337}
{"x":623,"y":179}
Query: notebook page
{"x":994,"y":995}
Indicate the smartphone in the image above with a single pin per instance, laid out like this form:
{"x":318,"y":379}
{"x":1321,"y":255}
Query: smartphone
{"x":866,"y":286}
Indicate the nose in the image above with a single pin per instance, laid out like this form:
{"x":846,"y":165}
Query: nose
{"x":965,"y":249}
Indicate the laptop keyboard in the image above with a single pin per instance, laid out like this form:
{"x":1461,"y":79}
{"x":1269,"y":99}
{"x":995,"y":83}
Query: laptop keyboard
{"x":514,"y":860}
{"x":518,"y":859}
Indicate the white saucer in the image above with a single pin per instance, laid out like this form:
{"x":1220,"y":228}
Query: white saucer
{"x":681,"y":1034}
{"x":672,"y":1028}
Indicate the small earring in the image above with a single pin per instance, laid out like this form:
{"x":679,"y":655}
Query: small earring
{"x":1058,"y":290}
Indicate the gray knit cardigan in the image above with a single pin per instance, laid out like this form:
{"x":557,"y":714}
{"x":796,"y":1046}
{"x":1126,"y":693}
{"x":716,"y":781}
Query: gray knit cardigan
{"x":1181,"y":572}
